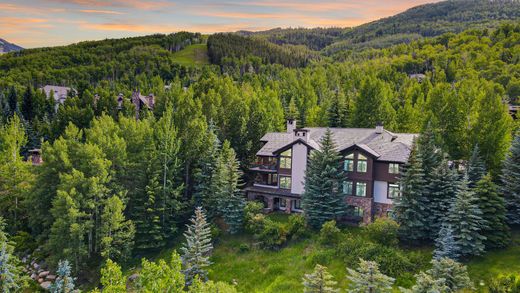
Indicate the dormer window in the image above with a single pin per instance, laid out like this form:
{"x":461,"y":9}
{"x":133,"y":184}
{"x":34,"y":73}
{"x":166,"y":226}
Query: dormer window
{"x":362,"y":163}
{"x":348,"y":164}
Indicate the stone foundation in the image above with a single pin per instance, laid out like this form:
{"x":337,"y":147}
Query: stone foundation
{"x":381,"y":209}
{"x":362,"y":202}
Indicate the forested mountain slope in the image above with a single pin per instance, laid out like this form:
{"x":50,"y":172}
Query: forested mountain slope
{"x":422,"y":21}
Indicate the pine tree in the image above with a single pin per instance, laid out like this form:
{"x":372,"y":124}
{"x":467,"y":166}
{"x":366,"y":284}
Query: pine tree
{"x":442,"y":189}
{"x":198,"y":247}
{"x":510,"y":183}
{"x":445,"y":244}
{"x":319,"y":281}
{"x":454,"y":274}
{"x":64,"y":282}
{"x":292,"y":110}
{"x":112,"y":278}
{"x":466,"y":219}
{"x":203,"y":194}
{"x":476,"y":168}
{"x":226,"y":186}
{"x":411,"y":208}
{"x":8,"y":278}
{"x":427,"y":284}
{"x":117,"y":233}
{"x":322,"y":200}
{"x":492,"y":205}
{"x":368,"y":278}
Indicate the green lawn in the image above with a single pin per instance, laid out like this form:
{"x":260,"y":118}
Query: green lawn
{"x":193,"y":55}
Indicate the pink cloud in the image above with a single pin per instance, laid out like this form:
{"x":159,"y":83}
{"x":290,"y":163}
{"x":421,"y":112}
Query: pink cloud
{"x":100,"y":11}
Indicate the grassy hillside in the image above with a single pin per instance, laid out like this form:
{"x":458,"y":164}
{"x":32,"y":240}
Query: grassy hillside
{"x":193,"y":55}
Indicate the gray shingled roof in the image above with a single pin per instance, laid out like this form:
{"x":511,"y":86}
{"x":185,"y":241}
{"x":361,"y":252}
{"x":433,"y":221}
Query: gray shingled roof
{"x":385,"y":146}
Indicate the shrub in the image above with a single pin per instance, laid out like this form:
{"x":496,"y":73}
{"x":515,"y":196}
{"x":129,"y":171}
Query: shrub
{"x":252,"y":208}
{"x":383,"y":231}
{"x":329,"y":233}
{"x":273,"y":235}
{"x":243,"y":247}
{"x":296,"y":227}
{"x":255,"y":224}
{"x":505,"y":283}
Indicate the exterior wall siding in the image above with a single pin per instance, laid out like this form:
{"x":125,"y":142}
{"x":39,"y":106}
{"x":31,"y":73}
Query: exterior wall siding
{"x":381,"y":192}
{"x":299,"y":165}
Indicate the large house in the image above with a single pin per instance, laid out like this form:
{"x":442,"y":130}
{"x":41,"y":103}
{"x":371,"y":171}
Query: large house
{"x":372,"y":159}
{"x":59,"y":93}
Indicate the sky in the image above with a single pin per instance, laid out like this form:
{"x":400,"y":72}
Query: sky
{"x":39,"y":23}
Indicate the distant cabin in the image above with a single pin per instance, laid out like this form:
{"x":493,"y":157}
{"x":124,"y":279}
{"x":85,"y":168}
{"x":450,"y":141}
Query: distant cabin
{"x":60,"y":94}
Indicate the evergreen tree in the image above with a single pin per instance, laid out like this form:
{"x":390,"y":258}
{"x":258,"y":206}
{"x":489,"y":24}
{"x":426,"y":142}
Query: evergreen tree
{"x":198,"y":247}
{"x":117,"y":233}
{"x":226,"y":186}
{"x":454,"y":274}
{"x":427,"y":284}
{"x":28,"y":108}
{"x":445,"y":244}
{"x":411,"y":208}
{"x":466,"y":219}
{"x":442,"y":189}
{"x":476,"y":168}
{"x":64,"y":282}
{"x":203,"y":193}
{"x":292,"y":110}
{"x":492,"y":205}
{"x":319,"y":281}
{"x":368,"y":278}
{"x":373,"y":105}
{"x":322,"y":199}
{"x":112,"y":278}
{"x":510,"y":183}
{"x":8,"y":278}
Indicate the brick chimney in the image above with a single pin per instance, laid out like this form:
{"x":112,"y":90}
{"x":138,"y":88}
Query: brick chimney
{"x":379,"y":128}
{"x":291,"y":125}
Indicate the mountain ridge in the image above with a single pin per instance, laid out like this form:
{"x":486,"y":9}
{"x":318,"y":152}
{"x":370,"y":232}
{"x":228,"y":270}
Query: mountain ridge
{"x":6,"y":47}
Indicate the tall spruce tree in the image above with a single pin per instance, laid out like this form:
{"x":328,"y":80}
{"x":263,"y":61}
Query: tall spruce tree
{"x":427,"y":284}
{"x":442,"y":189}
{"x":466,"y":219}
{"x":492,"y":205}
{"x":322,"y":200}
{"x":319,"y":281}
{"x":198,"y":247}
{"x":8,"y":276}
{"x":203,"y":194}
{"x":226,"y":186}
{"x":445,"y":244}
{"x":64,"y":282}
{"x":476,"y":168}
{"x":368,"y":278}
{"x":511,"y":183}
{"x":454,"y":274}
{"x":411,"y":208}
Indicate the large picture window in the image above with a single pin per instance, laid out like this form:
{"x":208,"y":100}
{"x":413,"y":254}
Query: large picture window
{"x":362,"y":163}
{"x":361,"y":189}
{"x":393,"y":190}
{"x":347,"y":187}
{"x":286,"y":159}
{"x":393,"y":168}
{"x":348,"y":164}
{"x":285,"y":182}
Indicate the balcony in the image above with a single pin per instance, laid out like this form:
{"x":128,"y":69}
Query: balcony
{"x":262,"y":167}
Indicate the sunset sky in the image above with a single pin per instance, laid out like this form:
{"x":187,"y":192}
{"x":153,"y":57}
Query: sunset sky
{"x":37,"y":23}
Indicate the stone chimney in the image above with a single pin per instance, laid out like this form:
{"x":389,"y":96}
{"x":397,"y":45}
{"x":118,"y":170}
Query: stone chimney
{"x":379,"y":128}
{"x":301,"y":133}
{"x":291,"y":125}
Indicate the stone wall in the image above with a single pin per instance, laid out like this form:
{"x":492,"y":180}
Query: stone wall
{"x":381,"y":209}
{"x":365,"y":203}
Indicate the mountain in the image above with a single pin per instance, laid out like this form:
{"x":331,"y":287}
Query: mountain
{"x":427,"y":20}
{"x":6,"y":47}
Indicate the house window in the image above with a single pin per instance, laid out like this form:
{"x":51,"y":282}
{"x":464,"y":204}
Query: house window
{"x":362,"y":163}
{"x":297,"y":204}
{"x":348,"y":164}
{"x":393,"y":190}
{"x":286,"y":159}
{"x":361,"y":189}
{"x":393,"y":168}
{"x":358,"y":212}
{"x":347,"y":187}
{"x":285,"y":182}
{"x":283,"y":203}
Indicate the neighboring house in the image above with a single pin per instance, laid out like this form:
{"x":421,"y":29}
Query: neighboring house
{"x":514,"y":110}
{"x":371,"y":158}
{"x":60,"y":94}
{"x":141,"y":102}
{"x":35,"y":156}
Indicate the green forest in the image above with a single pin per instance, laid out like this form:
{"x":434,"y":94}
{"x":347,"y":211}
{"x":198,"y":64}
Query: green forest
{"x":115,"y":205}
